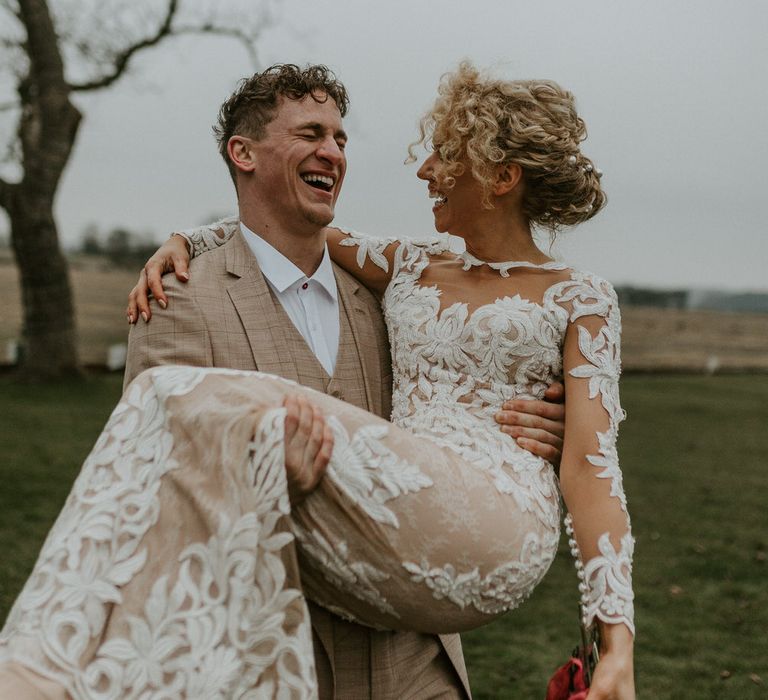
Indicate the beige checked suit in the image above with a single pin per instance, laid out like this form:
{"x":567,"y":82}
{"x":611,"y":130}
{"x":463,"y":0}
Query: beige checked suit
{"x":226,"y":316}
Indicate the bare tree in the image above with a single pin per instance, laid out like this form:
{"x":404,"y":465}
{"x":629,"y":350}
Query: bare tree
{"x":51,"y":51}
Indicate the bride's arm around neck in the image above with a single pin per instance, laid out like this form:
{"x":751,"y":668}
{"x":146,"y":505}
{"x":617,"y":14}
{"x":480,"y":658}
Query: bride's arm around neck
{"x":370,"y":260}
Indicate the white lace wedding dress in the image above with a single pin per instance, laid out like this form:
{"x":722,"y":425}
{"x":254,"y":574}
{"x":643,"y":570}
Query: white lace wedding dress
{"x":173,"y":569}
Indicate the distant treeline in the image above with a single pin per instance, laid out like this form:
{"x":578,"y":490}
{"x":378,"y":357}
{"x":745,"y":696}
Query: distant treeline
{"x":122,"y":247}
{"x":753,"y":302}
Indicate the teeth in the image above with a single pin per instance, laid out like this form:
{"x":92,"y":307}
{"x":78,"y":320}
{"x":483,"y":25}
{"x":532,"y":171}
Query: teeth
{"x":322,"y":179}
{"x":441,"y":198}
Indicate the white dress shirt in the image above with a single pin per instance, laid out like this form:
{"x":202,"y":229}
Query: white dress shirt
{"x":311,"y":303}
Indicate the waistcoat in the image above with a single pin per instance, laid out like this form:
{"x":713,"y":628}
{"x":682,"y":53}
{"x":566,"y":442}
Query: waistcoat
{"x":347,"y":382}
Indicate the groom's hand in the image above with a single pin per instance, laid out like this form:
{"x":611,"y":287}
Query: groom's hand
{"x":308,"y":447}
{"x":538,"y":426}
{"x":172,"y":256}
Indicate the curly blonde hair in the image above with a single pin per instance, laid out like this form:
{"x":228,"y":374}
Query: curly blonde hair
{"x":529,"y":122}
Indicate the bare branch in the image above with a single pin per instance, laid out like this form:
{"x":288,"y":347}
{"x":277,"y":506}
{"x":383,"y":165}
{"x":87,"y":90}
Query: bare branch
{"x":9,"y":43}
{"x":123,"y":58}
{"x":12,"y":36}
{"x":247,"y":40}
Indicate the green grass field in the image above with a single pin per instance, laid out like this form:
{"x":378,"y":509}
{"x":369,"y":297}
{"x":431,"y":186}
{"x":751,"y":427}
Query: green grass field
{"x":693,"y":453}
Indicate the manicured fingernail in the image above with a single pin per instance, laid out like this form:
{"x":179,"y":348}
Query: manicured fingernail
{"x":162,"y":303}
{"x":145,"y":317}
{"x":185,"y":275}
{"x":130,"y":318}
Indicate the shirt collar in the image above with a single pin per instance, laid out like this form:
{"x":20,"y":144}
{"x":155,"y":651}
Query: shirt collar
{"x":281,"y":272}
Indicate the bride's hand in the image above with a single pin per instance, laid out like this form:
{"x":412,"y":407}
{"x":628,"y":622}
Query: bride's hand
{"x":173,"y":255}
{"x":308,"y":447}
{"x":613,"y":678}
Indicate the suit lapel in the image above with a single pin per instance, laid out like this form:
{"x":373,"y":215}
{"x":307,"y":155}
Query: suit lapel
{"x":452,"y":646}
{"x":253,"y":302}
{"x":365,"y":342}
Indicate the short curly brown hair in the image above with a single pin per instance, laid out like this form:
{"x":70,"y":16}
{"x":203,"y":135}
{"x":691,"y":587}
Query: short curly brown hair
{"x":253,"y":105}
{"x":533,"y":123}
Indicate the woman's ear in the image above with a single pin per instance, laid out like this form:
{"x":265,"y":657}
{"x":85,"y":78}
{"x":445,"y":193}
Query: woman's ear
{"x":508,"y":177}
{"x":241,"y":154}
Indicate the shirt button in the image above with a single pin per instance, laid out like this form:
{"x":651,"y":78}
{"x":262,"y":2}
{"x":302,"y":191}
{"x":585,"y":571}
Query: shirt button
{"x":305,"y":285}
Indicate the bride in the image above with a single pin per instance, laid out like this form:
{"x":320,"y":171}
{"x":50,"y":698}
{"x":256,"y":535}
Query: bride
{"x":438,"y":523}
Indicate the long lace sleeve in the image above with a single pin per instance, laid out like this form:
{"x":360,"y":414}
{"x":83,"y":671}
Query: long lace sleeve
{"x":598,"y":521}
{"x":210,"y":236}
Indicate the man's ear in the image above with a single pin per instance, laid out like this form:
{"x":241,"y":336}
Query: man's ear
{"x":508,"y":176}
{"x":241,"y":153}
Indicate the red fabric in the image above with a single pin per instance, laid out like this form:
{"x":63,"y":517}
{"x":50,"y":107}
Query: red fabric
{"x":568,"y":682}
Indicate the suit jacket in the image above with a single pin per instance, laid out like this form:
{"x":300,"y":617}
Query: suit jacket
{"x":227,"y":316}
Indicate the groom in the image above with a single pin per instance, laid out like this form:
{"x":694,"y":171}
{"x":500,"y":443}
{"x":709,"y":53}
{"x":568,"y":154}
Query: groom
{"x":270,"y":299}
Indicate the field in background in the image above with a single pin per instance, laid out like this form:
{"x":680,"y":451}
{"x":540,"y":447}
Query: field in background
{"x":693,"y":453}
{"x":708,"y":341}
{"x":101,"y":295}
{"x":653,"y":339}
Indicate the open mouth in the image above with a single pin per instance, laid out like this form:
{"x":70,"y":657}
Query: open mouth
{"x":319,"y":182}
{"x":439,"y":198}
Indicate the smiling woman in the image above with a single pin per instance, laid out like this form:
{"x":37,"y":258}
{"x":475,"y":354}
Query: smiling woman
{"x":532,"y":124}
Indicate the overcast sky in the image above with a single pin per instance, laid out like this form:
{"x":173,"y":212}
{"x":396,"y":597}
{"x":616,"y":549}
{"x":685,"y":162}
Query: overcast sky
{"x":674,"y":95}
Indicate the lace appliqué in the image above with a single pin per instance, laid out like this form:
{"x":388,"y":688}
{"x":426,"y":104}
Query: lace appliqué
{"x":368,"y":247}
{"x":358,"y":578}
{"x":501,"y":590}
{"x":210,"y":236}
{"x":503,"y":268}
{"x":605,"y":582}
{"x":591,"y":296}
{"x":369,"y":472}
{"x":372,"y":248}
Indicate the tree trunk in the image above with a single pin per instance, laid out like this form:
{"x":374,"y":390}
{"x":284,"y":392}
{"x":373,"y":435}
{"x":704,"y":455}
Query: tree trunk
{"x":50,"y":339}
{"x":46,"y":131}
